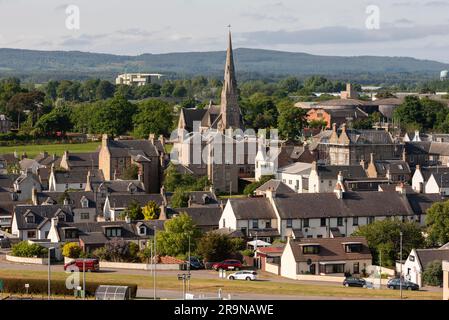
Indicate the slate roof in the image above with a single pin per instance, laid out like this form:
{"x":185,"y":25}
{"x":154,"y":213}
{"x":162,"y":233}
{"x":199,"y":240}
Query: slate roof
{"x":124,"y":148}
{"x":440,"y":148}
{"x":122,"y":200}
{"x":331,"y":249}
{"x":7,"y":180}
{"x":252,"y":208}
{"x":427,"y":256}
{"x":348,"y":171}
{"x":394,"y":166}
{"x":121,"y":186}
{"x":277,"y":185}
{"x":201,"y":216}
{"x":428,"y":171}
{"x":353,"y":204}
{"x":296,"y":168}
{"x":420,"y":202}
{"x":41,"y":214}
{"x":83,"y":160}
{"x":48,"y":159}
{"x":191,"y":115}
{"x":74,"y":198}
{"x":7,"y":204}
{"x":417,"y":148}
{"x":78,"y":176}
{"x":442,"y":179}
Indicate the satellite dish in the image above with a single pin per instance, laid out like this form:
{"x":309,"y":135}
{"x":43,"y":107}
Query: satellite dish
{"x":309,"y":262}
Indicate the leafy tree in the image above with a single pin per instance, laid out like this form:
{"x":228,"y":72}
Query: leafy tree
{"x":117,"y":250}
{"x":179,"y":91}
{"x":167,"y":89}
{"x":384,"y":235}
{"x":291,"y":122}
{"x":173,"y":179}
{"x":151,"y":211}
{"x":317,"y":124}
{"x":250,"y":188}
{"x":58,"y":120}
{"x":133,"y":211}
{"x":131,"y":172}
{"x":215,"y":247}
{"x":174,"y":240}
{"x":259,"y":112}
{"x":71,"y":250}
{"x":290,"y":84}
{"x":148,"y":90}
{"x":189,"y":103}
{"x":180,"y":198}
{"x":437,"y":221}
{"x":153,"y":116}
{"x":27,"y":101}
{"x":433,"y":274}
{"x":104,"y":90}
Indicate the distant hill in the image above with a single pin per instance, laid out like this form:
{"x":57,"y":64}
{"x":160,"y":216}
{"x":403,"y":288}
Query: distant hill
{"x":250,"y":63}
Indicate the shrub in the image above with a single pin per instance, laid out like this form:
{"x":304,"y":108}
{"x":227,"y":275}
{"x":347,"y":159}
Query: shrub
{"x":247,"y":253}
{"x":58,"y":287}
{"x":27,"y":250}
{"x":433,"y":275}
{"x":71,"y":250}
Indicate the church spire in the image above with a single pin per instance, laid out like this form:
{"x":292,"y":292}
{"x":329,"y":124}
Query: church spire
{"x":230,"y":111}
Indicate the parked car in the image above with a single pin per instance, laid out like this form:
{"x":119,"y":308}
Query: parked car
{"x":406,"y":285}
{"x":227,"y":265}
{"x":195,"y":263}
{"x":90,"y":264}
{"x":355,"y":282}
{"x":243,"y":275}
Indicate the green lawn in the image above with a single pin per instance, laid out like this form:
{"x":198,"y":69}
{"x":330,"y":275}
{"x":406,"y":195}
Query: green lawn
{"x":212,"y":285}
{"x":34,"y":149}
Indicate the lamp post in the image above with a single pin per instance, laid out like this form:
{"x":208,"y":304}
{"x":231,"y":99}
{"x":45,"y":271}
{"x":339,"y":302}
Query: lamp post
{"x":49,"y":271}
{"x":400,"y":255}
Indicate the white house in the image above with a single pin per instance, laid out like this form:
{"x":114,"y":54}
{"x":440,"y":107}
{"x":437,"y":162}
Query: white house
{"x":418,"y":260}
{"x":61,"y":181}
{"x":296,"y":176}
{"x":323,"y":178}
{"x":265,"y":166}
{"x":423,"y":174}
{"x":438,"y":183}
{"x":325,"y":257}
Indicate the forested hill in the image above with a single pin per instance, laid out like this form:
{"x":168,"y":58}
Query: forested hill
{"x":39,"y":66}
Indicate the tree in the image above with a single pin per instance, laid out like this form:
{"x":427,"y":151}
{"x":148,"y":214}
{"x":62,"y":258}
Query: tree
{"x":151,"y":211}
{"x":179,"y":91}
{"x":173,"y":180}
{"x":104,"y":90}
{"x":437,"y":222}
{"x":153,"y":116}
{"x":116,"y":250}
{"x":215,"y":247}
{"x":58,"y":120}
{"x":28,"y":250}
{"x":167,"y":89}
{"x":131,"y":172}
{"x":180,"y":198}
{"x":291,"y":122}
{"x":250,"y":188}
{"x":259,"y":112}
{"x":174,"y":240}
{"x":384,"y":235}
{"x":433,"y":274}
{"x":134,"y":211}
{"x":71,"y":250}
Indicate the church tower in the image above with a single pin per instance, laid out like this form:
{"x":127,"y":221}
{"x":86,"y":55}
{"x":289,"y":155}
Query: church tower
{"x":230,"y":113}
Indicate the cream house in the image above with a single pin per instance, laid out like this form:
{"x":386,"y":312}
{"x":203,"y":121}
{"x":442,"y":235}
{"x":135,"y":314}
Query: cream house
{"x":325,"y":257}
{"x":445,"y":280}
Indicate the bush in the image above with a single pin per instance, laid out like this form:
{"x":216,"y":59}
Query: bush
{"x":58,"y":287}
{"x":247,"y":253}
{"x":27,"y":250}
{"x":71,"y":250}
{"x":433,"y":275}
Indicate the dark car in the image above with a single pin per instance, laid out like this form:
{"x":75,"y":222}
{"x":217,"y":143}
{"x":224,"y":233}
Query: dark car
{"x":195,"y":264}
{"x":406,"y":285}
{"x":354,"y":282}
{"x":227,"y":265}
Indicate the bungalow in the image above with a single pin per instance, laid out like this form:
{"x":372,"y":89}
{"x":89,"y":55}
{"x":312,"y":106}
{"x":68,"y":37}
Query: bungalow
{"x":419,"y":259}
{"x":325,"y":257}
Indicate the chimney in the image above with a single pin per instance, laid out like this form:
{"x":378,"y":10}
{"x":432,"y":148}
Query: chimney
{"x":115,"y":175}
{"x":54,"y":222}
{"x":162,"y":139}
{"x":343,"y":128}
{"x":163,"y":212}
{"x":362,"y":163}
{"x":66,"y":155}
{"x":127,"y":219}
{"x":88,"y":185}
{"x":334,"y":127}
{"x":371,"y":158}
{"x":401,"y":188}
{"x":270,"y":193}
{"x":45,"y":154}
{"x":404,"y":155}
{"x":221,"y":205}
{"x":151,"y":138}
{"x":104,"y":140}
{"x":34,"y":196}
{"x":314,"y":166}
{"x":338,"y":191}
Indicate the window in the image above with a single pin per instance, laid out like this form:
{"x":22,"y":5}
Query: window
{"x":319,"y":235}
{"x":244,"y":231}
{"x":142,"y":230}
{"x":113,"y":232}
{"x":332,"y":268}
{"x":29,"y":219}
{"x":31,"y":234}
{"x":66,"y":186}
{"x":61,"y":217}
{"x":306,"y":223}
{"x":84,"y":215}
{"x":371,"y":220}
{"x":323,"y":222}
{"x":255,"y":224}
{"x":340,"y":222}
{"x":355,"y":221}
{"x":356,"y":268}
{"x":224,"y":223}
{"x":311,"y":249}
{"x":71,"y":234}
{"x":330,"y":183}
{"x":411,"y":258}
{"x":353,"y":247}
{"x":268,"y":224}
{"x":289,"y":223}
{"x":81,"y":186}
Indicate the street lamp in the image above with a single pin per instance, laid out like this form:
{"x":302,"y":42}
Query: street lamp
{"x":49,"y":271}
{"x":400,"y":276}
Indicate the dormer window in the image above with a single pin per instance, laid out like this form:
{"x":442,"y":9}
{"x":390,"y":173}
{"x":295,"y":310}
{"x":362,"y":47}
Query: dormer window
{"x":311,"y":249}
{"x":353,"y":247}
{"x":66,"y":202}
{"x":29,"y":218}
{"x":142,"y":230}
{"x":84,"y":203}
{"x":61,"y":217}
{"x":114,"y":232}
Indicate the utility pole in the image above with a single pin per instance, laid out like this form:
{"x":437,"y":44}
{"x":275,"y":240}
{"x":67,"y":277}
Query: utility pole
{"x":155,"y":265}
{"x":188,"y":266}
{"x":84,"y":278}
{"x":400,"y":276}
{"x":49,"y":272}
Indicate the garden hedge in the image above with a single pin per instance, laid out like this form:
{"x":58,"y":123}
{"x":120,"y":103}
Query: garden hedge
{"x":58,"y":287}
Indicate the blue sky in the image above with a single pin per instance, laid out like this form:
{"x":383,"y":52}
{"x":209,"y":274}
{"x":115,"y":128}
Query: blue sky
{"x":417,"y":28}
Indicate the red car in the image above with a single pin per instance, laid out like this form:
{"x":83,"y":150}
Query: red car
{"x":90,"y":264}
{"x":227,"y":265}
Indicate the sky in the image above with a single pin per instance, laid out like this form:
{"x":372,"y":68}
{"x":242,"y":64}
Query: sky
{"x":415,"y":28}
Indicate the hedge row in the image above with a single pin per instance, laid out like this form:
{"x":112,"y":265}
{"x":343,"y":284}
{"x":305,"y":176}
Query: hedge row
{"x":58,"y":287}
